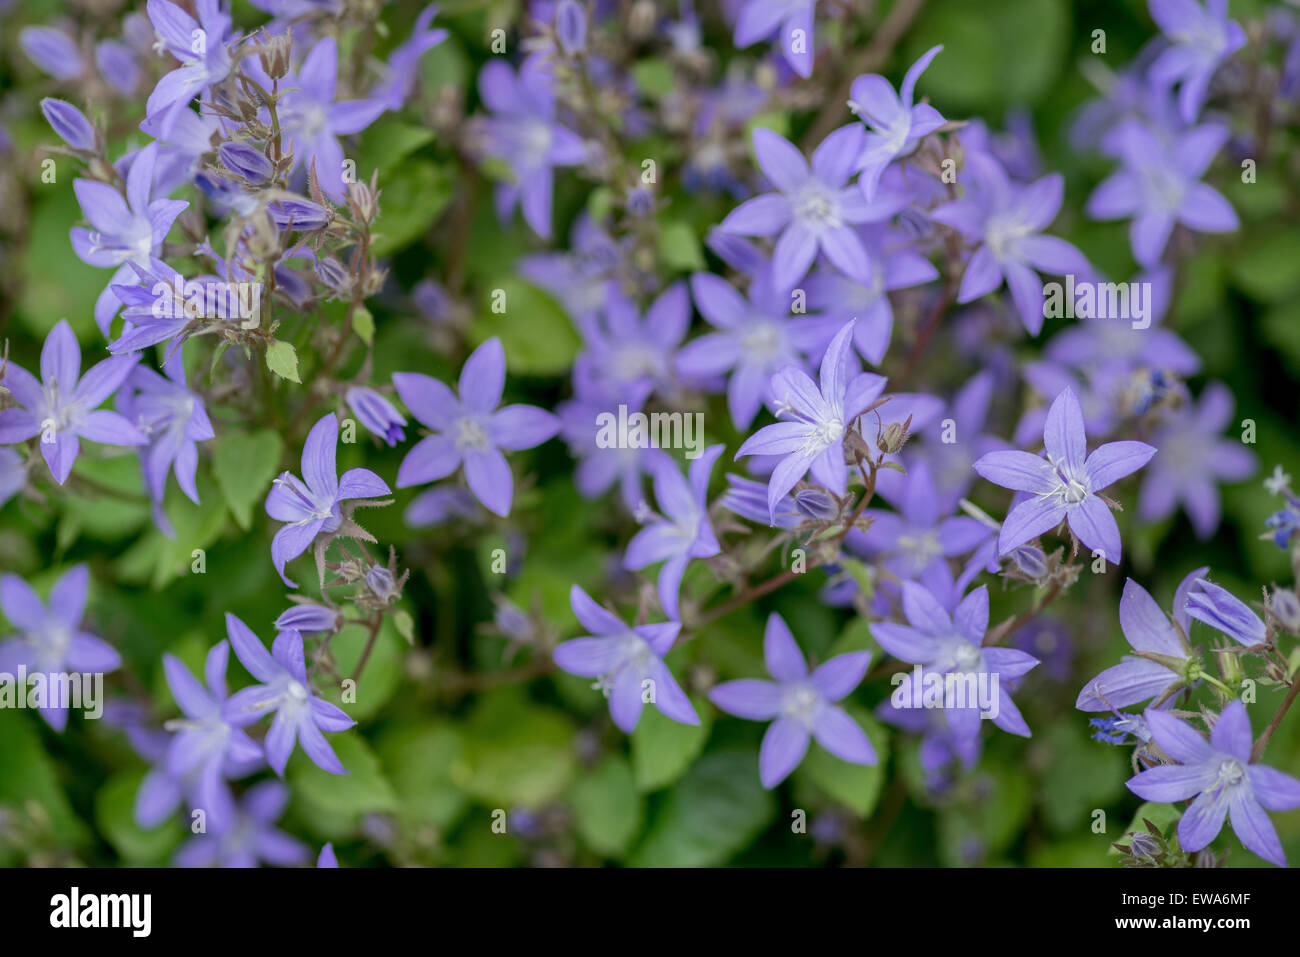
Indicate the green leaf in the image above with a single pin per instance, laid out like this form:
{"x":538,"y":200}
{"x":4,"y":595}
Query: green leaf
{"x":606,"y":808}
{"x":1083,"y":775}
{"x":282,"y":359}
{"x":386,"y":143}
{"x":418,"y":761}
{"x":713,"y":813}
{"x":335,"y":803}
{"x":244,"y":463}
{"x":535,"y":332}
{"x":517,"y":754}
{"x":1268,"y":267}
{"x":115,"y":816}
{"x":412,"y":197}
{"x":856,"y":786}
{"x":679,"y":249}
{"x":383,"y":669}
{"x":654,"y":77}
{"x":662,"y":749}
{"x":28,"y":779}
{"x":363,"y":324}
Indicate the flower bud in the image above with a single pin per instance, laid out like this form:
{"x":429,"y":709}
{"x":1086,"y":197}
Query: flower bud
{"x":273,"y":54}
{"x":1143,"y":845}
{"x":571,"y":27}
{"x":894,"y":436}
{"x":70,"y":123}
{"x":309,"y":618}
{"x":243,"y":160}
{"x":1286,"y":609}
{"x":816,"y":503}
{"x":380,"y":581}
{"x":376,"y":413}
{"x":53,"y":51}
{"x":1030,"y":560}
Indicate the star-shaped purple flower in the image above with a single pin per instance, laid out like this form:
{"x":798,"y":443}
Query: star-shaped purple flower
{"x":469,"y":429}
{"x":813,"y":209}
{"x":62,"y":407}
{"x":1202,"y":38}
{"x":759,"y":19}
{"x":628,"y":662}
{"x":1064,"y":484}
{"x":284,"y":690}
{"x":199,"y":45}
{"x":683,"y":532}
{"x":801,"y":706}
{"x":1219,"y":775}
{"x":173,"y":419}
{"x":312,"y":505}
{"x":897,"y":124}
{"x":251,"y":838}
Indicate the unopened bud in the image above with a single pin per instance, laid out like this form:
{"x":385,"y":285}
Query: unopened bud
{"x":894,"y":436}
{"x":273,"y":53}
{"x":1286,"y":609}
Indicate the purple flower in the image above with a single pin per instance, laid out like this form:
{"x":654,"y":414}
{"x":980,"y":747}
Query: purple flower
{"x":469,"y":429}
{"x":199,"y":45}
{"x":206,"y":749}
{"x":161,"y":305}
{"x":748,"y":499}
{"x":314,"y":122}
{"x":309,"y":618}
{"x":1064,"y":484}
{"x":950,"y":462}
{"x":570,"y":26}
{"x":921,"y":534}
{"x":403,"y":65}
{"x":312,"y":505}
{"x":376,"y":413}
{"x":327,"y":858}
{"x":953,"y":645}
{"x":896,"y":123}
{"x":1222,"y":610}
{"x":525,"y":134}
{"x":13,"y":474}
{"x":819,"y":419}
{"x":53,"y":51}
{"x":50,"y":640}
{"x":1219,"y":775}
{"x":173,"y":419}
{"x":801,"y":706}
{"x":940,"y":745}
{"x":70,"y":123}
{"x":599,"y":468}
{"x":1164,"y":662}
{"x":628,"y":662}
{"x":759,"y":19}
{"x":284,"y":689}
{"x":124,"y":231}
{"x":1007,"y":220}
{"x":251,"y":837}
{"x":246,"y":161}
{"x":628,"y":352}
{"x":1193,"y":458}
{"x":62,"y":408}
{"x":683,"y":532}
{"x":755,"y":339}
{"x":1201,"y":39}
{"x":118,"y":66}
{"x":1159,"y":185}
{"x":813,"y":209}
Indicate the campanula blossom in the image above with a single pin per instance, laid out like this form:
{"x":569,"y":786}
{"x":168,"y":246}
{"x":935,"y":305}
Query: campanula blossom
{"x":759,"y":19}
{"x":1219,"y":776}
{"x":1064,"y":482}
{"x":376,"y":413}
{"x":896,"y":123}
{"x":1201,"y":38}
{"x":251,"y":838}
{"x":284,"y":690}
{"x":199,"y":45}
{"x":1223,"y":611}
{"x":62,"y":408}
{"x":801,"y":706}
{"x":402,"y":69}
{"x":469,"y":429}
{"x":628,"y":661}
{"x":314,"y":504}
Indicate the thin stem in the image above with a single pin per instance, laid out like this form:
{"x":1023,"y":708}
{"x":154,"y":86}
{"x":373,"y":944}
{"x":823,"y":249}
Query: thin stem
{"x":1258,"y":750}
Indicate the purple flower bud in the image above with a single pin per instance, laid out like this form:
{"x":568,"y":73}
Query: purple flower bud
{"x":513,"y":621}
{"x":309,"y":618}
{"x":816,"y":504}
{"x":380,"y":581}
{"x":1030,"y":560}
{"x":432,"y":300}
{"x":571,"y":27}
{"x":332,"y":273}
{"x":243,"y":160}
{"x":226,"y":192}
{"x":376,"y":413}
{"x":117,"y":65}
{"x":1143,"y":845}
{"x":302,"y":213}
{"x":70,"y":123}
{"x":1220,"y":609}
{"x":53,"y":51}
{"x":1286,"y":607}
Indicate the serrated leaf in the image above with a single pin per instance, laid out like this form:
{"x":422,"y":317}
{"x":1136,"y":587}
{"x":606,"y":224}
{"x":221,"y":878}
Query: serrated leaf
{"x":282,"y":359}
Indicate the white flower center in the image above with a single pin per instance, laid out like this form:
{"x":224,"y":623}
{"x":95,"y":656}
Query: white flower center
{"x":814,"y":205}
{"x":470,"y":433}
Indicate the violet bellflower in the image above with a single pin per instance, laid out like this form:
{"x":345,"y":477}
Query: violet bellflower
{"x":896,"y":123}
{"x":683,"y":532}
{"x":70,"y":123}
{"x":376,"y":413}
{"x":62,"y":407}
{"x":469,"y":429}
{"x":813,"y":208}
{"x":1007,"y":221}
{"x":524,"y":133}
{"x":1064,"y":484}
{"x":801,"y":706}
{"x":251,"y":839}
{"x":1163,"y":663}
{"x":313,"y":504}
{"x":123,"y":231}
{"x":759,"y":19}
{"x":628,"y":351}
{"x":1201,"y":38}
{"x":284,"y":690}
{"x":954,"y":644}
{"x":1194,"y":457}
{"x":173,"y":419}
{"x":402,"y":69}
{"x":50,"y":641}
{"x":199,"y":45}
{"x":51,"y":49}
{"x":206,"y":749}
{"x":627,"y":661}
{"x":1158,"y":186}
{"x":817,"y":420}
{"x":1219,"y":776}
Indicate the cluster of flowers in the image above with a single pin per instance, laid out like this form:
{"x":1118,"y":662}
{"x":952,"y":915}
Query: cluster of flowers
{"x":817,"y":244}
